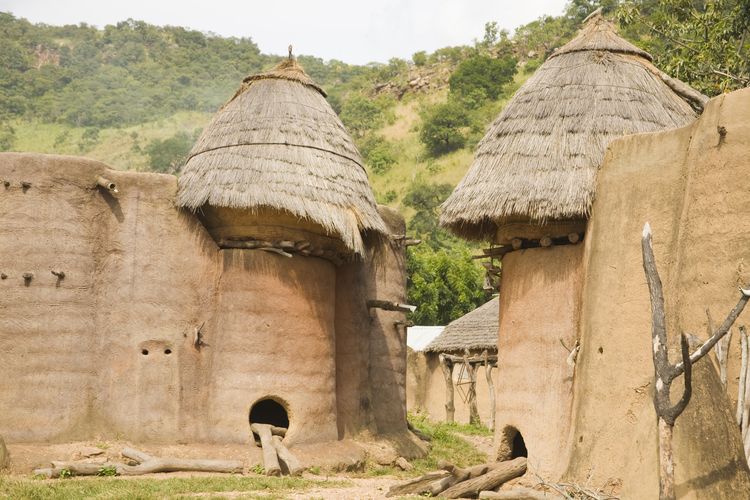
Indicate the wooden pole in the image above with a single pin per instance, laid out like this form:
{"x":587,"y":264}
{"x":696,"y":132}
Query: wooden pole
{"x":490,"y":388}
{"x":450,"y":409}
{"x":473,"y":409}
{"x":743,"y":378}
{"x":270,"y":457}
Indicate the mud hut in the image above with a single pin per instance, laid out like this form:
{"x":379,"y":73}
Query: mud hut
{"x":180,"y":312}
{"x":452,"y":378}
{"x":530,"y":190}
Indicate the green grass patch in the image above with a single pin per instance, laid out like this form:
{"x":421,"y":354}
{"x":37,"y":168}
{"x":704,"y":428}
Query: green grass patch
{"x":447,"y":444}
{"x":145,"y":489}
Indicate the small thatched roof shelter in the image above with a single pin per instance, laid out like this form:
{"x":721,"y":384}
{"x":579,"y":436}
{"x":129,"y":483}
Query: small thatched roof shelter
{"x":476,"y":330}
{"x":538,"y":161}
{"x":278,"y":144}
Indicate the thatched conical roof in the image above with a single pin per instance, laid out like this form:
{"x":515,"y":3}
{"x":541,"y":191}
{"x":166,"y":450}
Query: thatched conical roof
{"x":278,"y":144}
{"x":475,"y":330}
{"x":538,"y":161}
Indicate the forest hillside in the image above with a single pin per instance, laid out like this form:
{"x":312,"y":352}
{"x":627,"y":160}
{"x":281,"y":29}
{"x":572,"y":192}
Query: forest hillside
{"x":136,"y":96}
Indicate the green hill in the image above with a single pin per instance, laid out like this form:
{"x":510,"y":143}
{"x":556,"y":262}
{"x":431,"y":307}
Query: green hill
{"x":136,"y":96}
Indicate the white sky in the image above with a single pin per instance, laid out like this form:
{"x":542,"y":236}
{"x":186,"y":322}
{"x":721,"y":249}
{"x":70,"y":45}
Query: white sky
{"x":353,"y":31}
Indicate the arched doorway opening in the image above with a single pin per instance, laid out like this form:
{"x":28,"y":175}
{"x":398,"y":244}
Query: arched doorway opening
{"x":269,"y":411}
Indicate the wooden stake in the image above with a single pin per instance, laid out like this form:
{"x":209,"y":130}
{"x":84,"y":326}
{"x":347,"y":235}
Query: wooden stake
{"x":270,"y":458}
{"x":450,"y":409}
{"x":491,"y":388}
{"x":743,"y":378}
{"x":287,"y":459}
{"x":473,"y":410}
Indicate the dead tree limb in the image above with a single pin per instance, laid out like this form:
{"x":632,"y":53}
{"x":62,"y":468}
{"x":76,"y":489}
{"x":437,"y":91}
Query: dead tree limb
{"x":665,"y":373}
{"x":147,"y":464}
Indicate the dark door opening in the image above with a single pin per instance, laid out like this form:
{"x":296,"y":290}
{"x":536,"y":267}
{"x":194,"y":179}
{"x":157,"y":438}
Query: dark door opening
{"x":519,"y":447}
{"x":269,"y":411}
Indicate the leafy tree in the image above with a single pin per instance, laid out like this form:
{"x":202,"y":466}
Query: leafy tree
{"x":444,"y":284}
{"x":89,"y":139}
{"x":482,"y":73}
{"x":168,"y":155}
{"x":704,"y":43}
{"x":425,"y":199}
{"x":360,"y":114}
{"x":378,"y":154}
{"x":444,"y":128}
{"x":7,"y":137}
{"x":419,"y":58}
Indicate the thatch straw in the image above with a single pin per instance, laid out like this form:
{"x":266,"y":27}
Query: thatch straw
{"x":539,"y":159}
{"x":277,"y":143}
{"x":475,"y":330}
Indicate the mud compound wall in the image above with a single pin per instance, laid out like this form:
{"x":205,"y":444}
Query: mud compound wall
{"x":135,"y":274}
{"x":425,"y":389}
{"x":539,"y":311}
{"x":691,"y":185}
{"x":156,"y":335}
{"x":274,"y":337}
{"x":48,"y":363}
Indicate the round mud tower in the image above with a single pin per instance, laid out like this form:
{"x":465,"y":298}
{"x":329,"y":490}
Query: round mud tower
{"x":274,"y":342}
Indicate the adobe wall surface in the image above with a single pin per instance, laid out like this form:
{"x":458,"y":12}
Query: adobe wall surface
{"x":425,"y":389}
{"x":539,"y":310}
{"x":110,"y":349}
{"x":135,"y":276}
{"x":274,"y":337}
{"x":691,"y":185}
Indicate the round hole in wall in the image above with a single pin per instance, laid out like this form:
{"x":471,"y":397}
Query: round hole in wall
{"x":512,"y":444}
{"x":144,"y":352}
{"x":167,"y":351}
{"x":269,"y":411}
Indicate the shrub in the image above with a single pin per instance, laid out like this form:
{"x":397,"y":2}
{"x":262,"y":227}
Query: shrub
{"x":444,"y":128}
{"x":378,"y":154}
{"x":482,"y":72}
{"x":168,"y":155}
{"x":419,"y":58}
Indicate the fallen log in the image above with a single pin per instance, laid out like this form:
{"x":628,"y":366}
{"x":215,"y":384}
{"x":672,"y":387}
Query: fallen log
{"x":497,"y":475}
{"x":433,"y":483}
{"x":288,"y":461}
{"x":146,"y":464}
{"x":520,"y":494}
{"x":418,"y":485}
{"x":270,"y":458}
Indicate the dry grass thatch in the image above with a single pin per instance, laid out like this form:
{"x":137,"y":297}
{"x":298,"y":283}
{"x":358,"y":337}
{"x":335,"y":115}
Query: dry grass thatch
{"x":539,"y":159}
{"x":278,"y":143}
{"x":475,"y":330}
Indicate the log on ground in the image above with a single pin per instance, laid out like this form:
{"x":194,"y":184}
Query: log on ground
{"x":147,"y":464}
{"x":497,"y":475}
